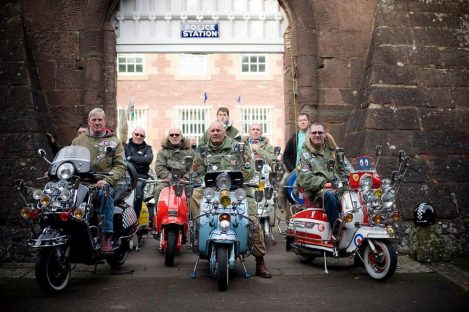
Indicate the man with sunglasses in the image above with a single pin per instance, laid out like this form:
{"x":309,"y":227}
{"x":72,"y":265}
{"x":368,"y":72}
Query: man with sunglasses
{"x":313,"y":173}
{"x":174,"y":148}
{"x":140,"y":155}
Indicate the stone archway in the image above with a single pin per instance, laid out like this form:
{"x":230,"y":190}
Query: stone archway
{"x":369,"y":69}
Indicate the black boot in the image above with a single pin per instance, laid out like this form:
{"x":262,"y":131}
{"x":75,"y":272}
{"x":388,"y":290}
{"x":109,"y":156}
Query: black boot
{"x":261,"y":269}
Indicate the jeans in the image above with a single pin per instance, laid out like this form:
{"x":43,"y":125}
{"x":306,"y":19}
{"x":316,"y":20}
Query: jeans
{"x":139,"y":197}
{"x":332,"y":206}
{"x":107,"y":211}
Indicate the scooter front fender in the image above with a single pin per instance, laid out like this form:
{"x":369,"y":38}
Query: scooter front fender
{"x":368,"y":232}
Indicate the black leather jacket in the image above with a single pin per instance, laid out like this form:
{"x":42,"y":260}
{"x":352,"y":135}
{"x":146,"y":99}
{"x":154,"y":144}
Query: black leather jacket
{"x":140,"y":156}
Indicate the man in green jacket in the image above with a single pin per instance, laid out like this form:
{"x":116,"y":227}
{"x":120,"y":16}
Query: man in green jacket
{"x":259,"y":145}
{"x":100,"y":140}
{"x":174,"y":148}
{"x":313,"y":172}
{"x":223,"y":116}
{"x":219,"y":148}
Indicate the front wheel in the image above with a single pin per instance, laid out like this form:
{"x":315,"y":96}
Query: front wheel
{"x":380,"y":265}
{"x":53,"y":269}
{"x":222,"y":268}
{"x":170,"y":250}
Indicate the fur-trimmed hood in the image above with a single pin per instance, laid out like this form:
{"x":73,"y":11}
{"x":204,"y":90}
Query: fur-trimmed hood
{"x":329,"y":142}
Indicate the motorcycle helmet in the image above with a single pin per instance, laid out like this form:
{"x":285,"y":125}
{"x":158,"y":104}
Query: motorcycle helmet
{"x":424,"y":215}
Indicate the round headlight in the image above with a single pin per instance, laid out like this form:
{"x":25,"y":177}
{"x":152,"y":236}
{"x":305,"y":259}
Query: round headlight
{"x":225,"y":198}
{"x":37,"y":194}
{"x":366,"y":182}
{"x":223,"y":181}
{"x":209,"y":193}
{"x":240,"y":194}
{"x":65,"y":194}
{"x":385,"y":184}
{"x":25,"y":212}
{"x":65,"y":171}
{"x":377,"y":218}
{"x":389,"y":198}
{"x":49,"y":188}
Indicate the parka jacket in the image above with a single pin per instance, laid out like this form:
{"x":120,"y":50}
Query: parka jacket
{"x":222,"y":157}
{"x":231,"y":132}
{"x":140,"y":156}
{"x":312,"y":171}
{"x":101,"y":162}
{"x":265,"y":149}
{"x":172,"y":156}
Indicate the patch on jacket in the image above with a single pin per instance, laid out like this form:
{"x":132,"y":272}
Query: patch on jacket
{"x":305,"y":168}
{"x":306,"y":155}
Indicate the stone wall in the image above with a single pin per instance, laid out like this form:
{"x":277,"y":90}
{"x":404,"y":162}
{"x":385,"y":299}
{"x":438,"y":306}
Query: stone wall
{"x":414,"y":96}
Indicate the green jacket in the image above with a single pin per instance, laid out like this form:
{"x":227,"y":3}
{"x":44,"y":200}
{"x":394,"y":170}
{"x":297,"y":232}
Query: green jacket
{"x":231,"y":132}
{"x":265,"y":149}
{"x":172,"y":156}
{"x":312,"y":170}
{"x":102,"y":163}
{"x":222,"y":158}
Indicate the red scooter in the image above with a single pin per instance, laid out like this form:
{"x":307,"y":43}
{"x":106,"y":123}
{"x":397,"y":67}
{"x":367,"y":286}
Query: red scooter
{"x":171,"y":221}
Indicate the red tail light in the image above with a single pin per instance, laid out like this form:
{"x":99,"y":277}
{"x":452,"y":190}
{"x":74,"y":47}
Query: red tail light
{"x":63,"y":216}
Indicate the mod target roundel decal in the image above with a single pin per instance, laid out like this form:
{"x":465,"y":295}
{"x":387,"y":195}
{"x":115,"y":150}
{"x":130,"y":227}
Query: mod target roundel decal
{"x":358,"y":240}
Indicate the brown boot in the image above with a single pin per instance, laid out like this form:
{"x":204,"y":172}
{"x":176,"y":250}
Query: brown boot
{"x":261,"y":269}
{"x":106,"y":243}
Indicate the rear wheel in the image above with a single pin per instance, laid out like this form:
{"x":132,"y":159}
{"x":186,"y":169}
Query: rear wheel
{"x":170,"y":250}
{"x":52,"y":269}
{"x":222,"y":268}
{"x":380,"y":265}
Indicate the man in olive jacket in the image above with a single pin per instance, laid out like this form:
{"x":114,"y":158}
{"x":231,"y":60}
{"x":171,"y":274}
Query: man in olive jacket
{"x":218,"y":147}
{"x":313,"y":173}
{"x":259,"y":145}
{"x":174,"y":148}
{"x":100,"y":141}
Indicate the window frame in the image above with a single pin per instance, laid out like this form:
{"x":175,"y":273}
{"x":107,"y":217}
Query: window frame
{"x":127,"y":56}
{"x":257,"y":63}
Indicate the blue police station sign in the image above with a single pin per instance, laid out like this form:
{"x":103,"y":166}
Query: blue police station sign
{"x":199,"y":30}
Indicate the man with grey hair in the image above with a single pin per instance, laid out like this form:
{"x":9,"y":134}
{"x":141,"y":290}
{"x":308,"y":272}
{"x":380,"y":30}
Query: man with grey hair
{"x":221,"y":145}
{"x":98,"y":141}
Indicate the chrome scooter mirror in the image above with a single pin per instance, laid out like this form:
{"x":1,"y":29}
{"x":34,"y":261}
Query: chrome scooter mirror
{"x":277,"y":150}
{"x":202,"y":150}
{"x":259,"y":164}
{"x":268,"y":192}
{"x":258,"y":196}
{"x":188,"y":160}
{"x":379,"y":150}
{"x":272,"y":177}
{"x":402,"y":155}
{"x":339,"y":152}
{"x":42,"y":153}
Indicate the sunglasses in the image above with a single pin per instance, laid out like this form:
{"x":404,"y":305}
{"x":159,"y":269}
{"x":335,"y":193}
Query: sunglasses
{"x":317,"y":132}
{"x":174,"y":135}
{"x":139,"y":135}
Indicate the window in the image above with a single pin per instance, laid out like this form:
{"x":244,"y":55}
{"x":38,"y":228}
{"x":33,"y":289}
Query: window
{"x":193,"y":121}
{"x":130,"y":63}
{"x":253,"y":64}
{"x":260,"y":115}
{"x":192,"y":64}
{"x":138,"y":118}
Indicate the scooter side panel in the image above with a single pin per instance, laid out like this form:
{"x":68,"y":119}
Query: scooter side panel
{"x":367,"y":232}
{"x":170,"y":205}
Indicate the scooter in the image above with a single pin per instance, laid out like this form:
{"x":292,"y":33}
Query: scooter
{"x":223,"y":231}
{"x":171,"y":221}
{"x":367,"y":223}
{"x":268,"y":180}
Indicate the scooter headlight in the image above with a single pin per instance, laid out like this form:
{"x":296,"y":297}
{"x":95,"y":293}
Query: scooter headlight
{"x":45,"y":200}
{"x":366,"y":182}
{"x":223,"y":181}
{"x":389,"y":198}
{"x":79,"y":213}
{"x":225,"y":198}
{"x":385,"y":184}
{"x":209,"y":193}
{"x":377,"y":218}
{"x":65,"y":194}
{"x":240,"y":194}
{"x":65,"y":171}
{"x":37,"y":194}
{"x":396,"y":216}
